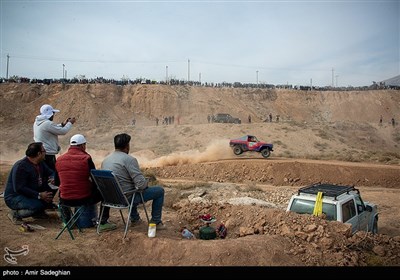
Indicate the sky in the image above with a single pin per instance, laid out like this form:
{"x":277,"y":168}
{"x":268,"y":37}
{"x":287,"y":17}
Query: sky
{"x":319,"y":43}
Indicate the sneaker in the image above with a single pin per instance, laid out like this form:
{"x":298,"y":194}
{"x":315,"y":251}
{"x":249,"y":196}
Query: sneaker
{"x":12,"y":215}
{"x":161,"y":226}
{"x":107,"y":227}
{"x":136,"y":223}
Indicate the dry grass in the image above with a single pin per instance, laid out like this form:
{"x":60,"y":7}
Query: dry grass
{"x":322,"y":133}
{"x":280,"y":144}
{"x":321,"y":146}
{"x":374,"y":260}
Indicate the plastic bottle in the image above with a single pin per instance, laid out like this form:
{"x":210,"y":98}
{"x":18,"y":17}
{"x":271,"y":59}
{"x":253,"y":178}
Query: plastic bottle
{"x":187,"y":234}
{"x":152,"y":230}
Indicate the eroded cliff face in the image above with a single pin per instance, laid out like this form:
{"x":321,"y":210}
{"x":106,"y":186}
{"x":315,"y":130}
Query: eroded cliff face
{"x":194,"y":103}
{"x":321,"y":137}
{"x":319,"y":125}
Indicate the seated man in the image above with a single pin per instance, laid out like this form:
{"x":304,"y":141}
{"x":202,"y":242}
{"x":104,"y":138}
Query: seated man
{"x":127,"y":171}
{"x":27,"y":192}
{"x":76,"y":188}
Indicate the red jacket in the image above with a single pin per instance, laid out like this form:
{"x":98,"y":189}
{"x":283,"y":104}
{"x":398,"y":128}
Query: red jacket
{"x":73,"y":169}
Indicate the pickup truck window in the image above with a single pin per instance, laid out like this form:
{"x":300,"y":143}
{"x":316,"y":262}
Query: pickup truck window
{"x":302,"y":206}
{"x":360,"y":204}
{"x":348,"y":210}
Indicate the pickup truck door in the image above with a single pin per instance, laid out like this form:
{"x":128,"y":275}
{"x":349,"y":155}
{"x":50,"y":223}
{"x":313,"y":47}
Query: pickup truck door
{"x":349,"y":215}
{"x":363,"y":215}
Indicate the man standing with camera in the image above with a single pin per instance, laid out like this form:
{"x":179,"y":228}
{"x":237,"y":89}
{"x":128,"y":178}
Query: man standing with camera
{"x":47,"y":131}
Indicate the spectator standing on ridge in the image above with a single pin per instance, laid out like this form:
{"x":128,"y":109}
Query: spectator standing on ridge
{"x":270,"y":117}
{"x":393,"y":122}
{"x":128,"y":173}
{"x":27,"y":191}
{"x":249,"y":119}
{"x":47,"y":131}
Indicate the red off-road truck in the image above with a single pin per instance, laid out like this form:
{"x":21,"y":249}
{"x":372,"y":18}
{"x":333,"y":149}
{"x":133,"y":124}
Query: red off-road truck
{"x":250,"y":143}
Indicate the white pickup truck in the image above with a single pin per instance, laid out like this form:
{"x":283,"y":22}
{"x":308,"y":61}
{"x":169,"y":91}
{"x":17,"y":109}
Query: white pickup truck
{"x":339,"y":203}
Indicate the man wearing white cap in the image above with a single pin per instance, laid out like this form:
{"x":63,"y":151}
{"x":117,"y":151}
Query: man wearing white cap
{"x":76,"y":187}
{"x":46,"y":131}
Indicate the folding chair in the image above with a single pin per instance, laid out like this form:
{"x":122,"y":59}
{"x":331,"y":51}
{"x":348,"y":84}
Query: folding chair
{"x":113,"y":196}
{"x":72,"y":221}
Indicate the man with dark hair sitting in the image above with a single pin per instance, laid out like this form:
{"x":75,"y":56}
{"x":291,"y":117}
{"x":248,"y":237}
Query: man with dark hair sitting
{"x":128,"y":173}
{"x":27,"y":192}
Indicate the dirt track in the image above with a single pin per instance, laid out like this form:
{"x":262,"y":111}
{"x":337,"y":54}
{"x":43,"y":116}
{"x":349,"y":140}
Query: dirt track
{"x":281,"y":172}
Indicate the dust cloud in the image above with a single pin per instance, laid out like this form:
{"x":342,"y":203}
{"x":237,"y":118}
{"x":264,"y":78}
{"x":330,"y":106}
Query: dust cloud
{"x":98,"y":156}
{"x":216,"y":150}
{"x":10,"y":157}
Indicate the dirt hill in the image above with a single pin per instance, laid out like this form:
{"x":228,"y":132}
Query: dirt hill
{"x":334,"y":125}
{"x":320,"y":137}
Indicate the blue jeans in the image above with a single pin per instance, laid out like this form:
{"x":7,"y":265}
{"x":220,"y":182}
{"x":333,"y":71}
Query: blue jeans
{"x":26,"y":206}
{"x":155,"y":193}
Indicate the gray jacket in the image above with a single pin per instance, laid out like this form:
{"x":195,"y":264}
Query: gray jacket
{"x":126,"y":169}
{"x":46,"y":131}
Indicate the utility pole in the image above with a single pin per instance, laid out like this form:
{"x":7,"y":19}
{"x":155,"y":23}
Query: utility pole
{"x":311,"y":84}
{"x":188,"y":70}
{"x":63,"y":71}
{"x":166,"y":74}
{"x":8,"y":58}
{"x":332,"y":77}
{"x":200,"y":78}
{"x":257,"y":77}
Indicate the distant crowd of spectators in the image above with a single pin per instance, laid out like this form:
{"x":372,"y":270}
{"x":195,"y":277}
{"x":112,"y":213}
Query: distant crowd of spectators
{"x":100,"y":80}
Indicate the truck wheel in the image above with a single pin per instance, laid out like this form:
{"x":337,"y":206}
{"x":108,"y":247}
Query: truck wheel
{"x":266,"y":153}
{"x":237,"y":150}
{"x":375,"y":226}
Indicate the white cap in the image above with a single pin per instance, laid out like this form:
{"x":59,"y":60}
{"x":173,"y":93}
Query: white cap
{"x":77,"y":139}
{"x":47,"y":110}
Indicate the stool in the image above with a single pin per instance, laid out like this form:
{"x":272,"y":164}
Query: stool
{"x":71,"y":220}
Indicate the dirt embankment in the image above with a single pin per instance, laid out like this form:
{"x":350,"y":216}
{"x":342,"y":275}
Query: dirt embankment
{"x":316,"y":125}
{"x":279,"y":172}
